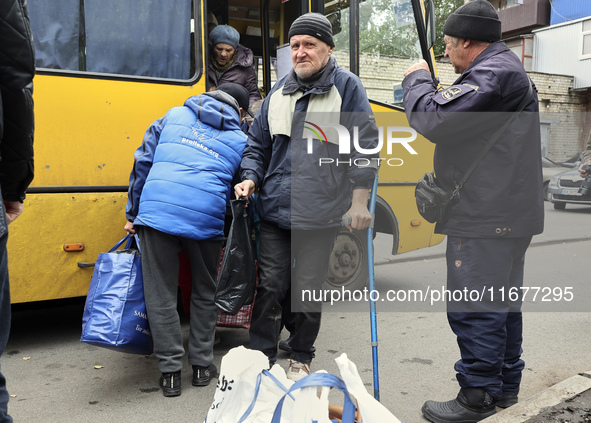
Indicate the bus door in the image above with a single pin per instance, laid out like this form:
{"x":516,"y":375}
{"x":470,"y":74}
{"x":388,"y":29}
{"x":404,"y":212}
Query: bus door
{"x":378,"y":40}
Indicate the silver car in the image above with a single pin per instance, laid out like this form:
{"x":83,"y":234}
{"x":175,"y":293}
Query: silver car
{"x":550,"y":169}
{"x":565,"y":187}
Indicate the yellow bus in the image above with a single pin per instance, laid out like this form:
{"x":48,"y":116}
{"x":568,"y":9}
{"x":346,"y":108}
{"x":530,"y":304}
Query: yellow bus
{"x":106,"y":69}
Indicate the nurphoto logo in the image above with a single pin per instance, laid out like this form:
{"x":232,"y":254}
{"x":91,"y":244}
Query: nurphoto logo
{"x":343,"y":137}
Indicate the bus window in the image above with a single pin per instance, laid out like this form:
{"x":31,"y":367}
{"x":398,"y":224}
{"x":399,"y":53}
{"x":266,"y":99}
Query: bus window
{"x":388,"y":39}
{"x":56,"y":31}
{"x":114,"y":36}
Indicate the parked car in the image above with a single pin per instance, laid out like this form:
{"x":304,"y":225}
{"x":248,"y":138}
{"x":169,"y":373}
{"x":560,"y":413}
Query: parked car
{"x":550,"y":169}
{"x":565,"y":187}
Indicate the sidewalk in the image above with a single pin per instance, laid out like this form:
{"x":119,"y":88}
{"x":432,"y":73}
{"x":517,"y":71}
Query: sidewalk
{"x":545,"y":406}
{"x":559,"y":394}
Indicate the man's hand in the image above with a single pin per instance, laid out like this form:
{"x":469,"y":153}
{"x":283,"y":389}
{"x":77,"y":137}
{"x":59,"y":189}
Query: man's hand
{"x":360,"y":215}
{"x":244,"y":189}
{"x":581,"y":171}
{"x":129,"y":227}
{"x":13,"y":210}
{"x":421,"y":64}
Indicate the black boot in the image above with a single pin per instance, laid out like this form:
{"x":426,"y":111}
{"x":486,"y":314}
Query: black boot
{"x":470,"y":406}
{"x":203,"y":375}
{"x":284,"y":345}
{"x":507,"y":400}
{"x":171,"y":384}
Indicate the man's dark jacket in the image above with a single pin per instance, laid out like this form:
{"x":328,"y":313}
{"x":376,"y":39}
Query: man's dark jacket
{"x":296,"y":190}
{"x":17,"y":67}
{"x":504,"y":196}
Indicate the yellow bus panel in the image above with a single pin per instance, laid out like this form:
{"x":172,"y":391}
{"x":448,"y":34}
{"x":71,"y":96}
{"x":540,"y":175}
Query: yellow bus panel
{"x":86,"y":130}
{"x":39,"y":267}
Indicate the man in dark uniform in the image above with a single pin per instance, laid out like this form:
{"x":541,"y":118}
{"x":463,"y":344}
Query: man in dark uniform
{"x":500,"y":206}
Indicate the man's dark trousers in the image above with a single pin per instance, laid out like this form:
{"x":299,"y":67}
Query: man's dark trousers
{"x":285,"y":255}
{"x":489,"y":333}
{"x":4,"y":313}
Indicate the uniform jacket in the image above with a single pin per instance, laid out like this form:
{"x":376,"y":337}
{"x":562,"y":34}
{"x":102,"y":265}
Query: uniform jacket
{"x":241,"y":72}
{"x":503,"y":197}
{"x":295,"y":190}
{"x":17,"y":67}
{"x":184,"y":168}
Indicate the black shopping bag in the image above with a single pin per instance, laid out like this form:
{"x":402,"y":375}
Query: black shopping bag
{"x":236,"y":282}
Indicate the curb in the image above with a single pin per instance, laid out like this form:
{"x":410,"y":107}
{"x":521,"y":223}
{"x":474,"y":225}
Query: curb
{"x":402,"y":259}
{"x":533,"y":406}
{"x":555,"y":394}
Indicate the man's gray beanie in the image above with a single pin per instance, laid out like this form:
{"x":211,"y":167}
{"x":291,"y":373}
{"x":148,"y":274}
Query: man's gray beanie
{"x":477,"y":20}
{"x":313,"y":24}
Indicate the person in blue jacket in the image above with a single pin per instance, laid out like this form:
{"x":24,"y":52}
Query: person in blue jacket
{"x":291,"y":158}
{"x":500,"y":207}
{"x":178,"y":190}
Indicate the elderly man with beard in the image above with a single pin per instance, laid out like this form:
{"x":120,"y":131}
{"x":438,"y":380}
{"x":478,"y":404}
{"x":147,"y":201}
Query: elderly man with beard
{"x":301,"y":203}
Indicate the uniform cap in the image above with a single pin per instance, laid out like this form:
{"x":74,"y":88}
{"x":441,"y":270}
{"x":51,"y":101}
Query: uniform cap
{"x":477,"y":20}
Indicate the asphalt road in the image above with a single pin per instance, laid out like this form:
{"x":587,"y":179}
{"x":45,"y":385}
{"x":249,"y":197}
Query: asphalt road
{"x":53,"y":377}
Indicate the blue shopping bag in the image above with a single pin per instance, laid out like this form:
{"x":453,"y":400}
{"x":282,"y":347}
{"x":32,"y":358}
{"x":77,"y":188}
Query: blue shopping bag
{"x":115,"y":311}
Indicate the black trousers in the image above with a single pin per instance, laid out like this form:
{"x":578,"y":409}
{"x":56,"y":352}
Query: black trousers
{"x":5,"y":313}
{"x":296,"y":259}
{"x":489,"y":333}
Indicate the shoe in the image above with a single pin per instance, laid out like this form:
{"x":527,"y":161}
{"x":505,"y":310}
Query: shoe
{"x":203,"y":375}
{"x":507,"y":400}
{"x":470,"y":406}
{"x":171,"y":384}
{"x":297,"y":370}
{"x":284,"y":345}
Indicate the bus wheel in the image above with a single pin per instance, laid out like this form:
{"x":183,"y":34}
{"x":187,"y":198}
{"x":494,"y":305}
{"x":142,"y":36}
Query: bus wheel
{"x":347,"y":266}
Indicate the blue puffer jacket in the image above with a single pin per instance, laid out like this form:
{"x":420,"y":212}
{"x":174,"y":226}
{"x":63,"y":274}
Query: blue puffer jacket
{"x":184,"y":168}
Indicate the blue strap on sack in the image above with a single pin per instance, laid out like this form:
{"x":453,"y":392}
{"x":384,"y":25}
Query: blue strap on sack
{"x":320,"y":379}
{"x":127,"y":238}
{"x":256,"y":392}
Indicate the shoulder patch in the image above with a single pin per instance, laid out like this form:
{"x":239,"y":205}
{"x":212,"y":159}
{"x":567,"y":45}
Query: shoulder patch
{"x":452,"y":93}
{"x":474,"y":87}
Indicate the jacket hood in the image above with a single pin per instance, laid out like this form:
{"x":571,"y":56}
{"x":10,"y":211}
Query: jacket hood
{"x":244,"y":57}
{"x":217,"y":109}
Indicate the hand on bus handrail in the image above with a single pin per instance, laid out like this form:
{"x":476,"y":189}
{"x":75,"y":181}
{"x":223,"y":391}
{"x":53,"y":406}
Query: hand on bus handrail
{"x":421,"y":64}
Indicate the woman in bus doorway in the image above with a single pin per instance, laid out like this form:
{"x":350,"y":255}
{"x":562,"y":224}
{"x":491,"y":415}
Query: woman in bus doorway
{"x":231,"y":61}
